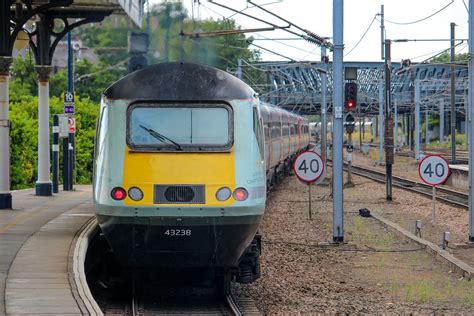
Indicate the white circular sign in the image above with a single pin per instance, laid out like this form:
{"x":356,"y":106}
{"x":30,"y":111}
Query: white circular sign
{"x":434,"y":170}
{"x":69,"y":97}
{"x":71,"y":124}
{"x":308,"y":166}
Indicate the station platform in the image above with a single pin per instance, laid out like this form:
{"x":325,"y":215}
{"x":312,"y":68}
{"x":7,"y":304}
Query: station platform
{"x":459,"y":178}
{"x":36,"y":245}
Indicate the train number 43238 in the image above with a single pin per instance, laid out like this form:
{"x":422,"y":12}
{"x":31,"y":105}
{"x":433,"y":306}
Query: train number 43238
{"x":178,"y":232}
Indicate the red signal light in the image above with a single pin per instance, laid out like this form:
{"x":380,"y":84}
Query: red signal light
{"x":350,"y":95}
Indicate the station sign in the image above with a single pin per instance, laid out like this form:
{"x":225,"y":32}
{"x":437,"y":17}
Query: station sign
{"x":63,"y":126}
{"x":308,"y":166}
{"x":434,"y":170}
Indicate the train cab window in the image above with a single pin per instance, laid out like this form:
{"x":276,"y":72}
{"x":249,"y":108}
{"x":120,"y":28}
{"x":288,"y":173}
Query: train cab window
{"x":102,"y":127}
{"x":180,"y":127}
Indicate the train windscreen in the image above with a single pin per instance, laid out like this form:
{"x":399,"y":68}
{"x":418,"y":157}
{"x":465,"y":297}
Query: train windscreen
{"x":180,"y":127}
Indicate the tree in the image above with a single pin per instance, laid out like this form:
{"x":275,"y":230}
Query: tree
{"x":445,"y":58}
{"x":169,"y":20}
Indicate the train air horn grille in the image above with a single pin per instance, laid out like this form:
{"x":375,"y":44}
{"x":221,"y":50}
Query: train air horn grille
{"x":179,"y":194}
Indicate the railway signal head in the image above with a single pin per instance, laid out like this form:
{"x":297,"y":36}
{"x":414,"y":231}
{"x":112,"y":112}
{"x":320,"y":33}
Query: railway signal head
{"x":349,"y":123}
{"x":350,"y":96}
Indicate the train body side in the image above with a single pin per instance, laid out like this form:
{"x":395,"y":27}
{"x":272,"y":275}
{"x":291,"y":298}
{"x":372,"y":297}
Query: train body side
{"x":286,"y":134}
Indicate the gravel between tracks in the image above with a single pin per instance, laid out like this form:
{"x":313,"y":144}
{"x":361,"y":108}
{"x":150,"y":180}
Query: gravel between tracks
{"x":378,"y":271}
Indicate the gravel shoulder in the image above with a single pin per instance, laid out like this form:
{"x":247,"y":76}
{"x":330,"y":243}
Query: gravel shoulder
{"x":377,"y":271}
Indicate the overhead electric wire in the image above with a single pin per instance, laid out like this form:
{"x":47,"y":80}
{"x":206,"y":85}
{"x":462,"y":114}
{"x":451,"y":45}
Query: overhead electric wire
{"x":362,"y":37}
{"x":420,"y":20}
{"x":253,"y":17}
{"x":322,"y":41}
{"x":268,"y":3}
{"x":299,"y":35}
{"x":272,"y":52}
{"x":288,"y":45}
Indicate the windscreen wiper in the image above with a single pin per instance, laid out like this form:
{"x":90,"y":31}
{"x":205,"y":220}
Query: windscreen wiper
{"x":162,"y":138}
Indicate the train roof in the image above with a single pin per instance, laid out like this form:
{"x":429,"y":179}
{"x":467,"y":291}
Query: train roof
{"x":179,"y":81}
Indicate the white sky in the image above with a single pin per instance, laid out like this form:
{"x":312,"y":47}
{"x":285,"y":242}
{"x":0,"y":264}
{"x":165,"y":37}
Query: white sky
{"x":316,"y":16}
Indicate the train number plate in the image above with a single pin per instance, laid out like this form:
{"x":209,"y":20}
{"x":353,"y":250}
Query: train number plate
{"x":178,"y":232}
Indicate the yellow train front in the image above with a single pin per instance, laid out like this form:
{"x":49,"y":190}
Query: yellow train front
{"x":180,"y":173}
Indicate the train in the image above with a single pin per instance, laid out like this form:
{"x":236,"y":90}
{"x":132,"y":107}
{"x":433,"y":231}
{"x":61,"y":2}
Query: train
{"x":184,"y":155}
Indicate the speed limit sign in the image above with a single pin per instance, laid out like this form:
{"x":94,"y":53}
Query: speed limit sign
{"x":308,"y":166}
{"x":434,"y":170}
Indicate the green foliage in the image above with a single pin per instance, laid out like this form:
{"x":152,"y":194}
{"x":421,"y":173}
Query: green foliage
{"x":24,"y":139}
{"x":169,"y":20}
{"x":24,"y":78}
{"x":445,"y":58}
{"x":109,"y":40}
{"x":92,"y":80}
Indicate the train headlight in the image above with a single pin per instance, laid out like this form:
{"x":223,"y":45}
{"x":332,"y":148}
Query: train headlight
{"x":240,"y":194}
{"x":118,"y":193}
{"x":135,"y":194}
{"x":223,"y":194}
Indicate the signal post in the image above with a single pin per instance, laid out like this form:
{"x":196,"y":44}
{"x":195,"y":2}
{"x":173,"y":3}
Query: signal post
{"x":350,"y":105}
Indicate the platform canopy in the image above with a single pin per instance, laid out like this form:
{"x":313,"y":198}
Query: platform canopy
{"x":134,"y":9}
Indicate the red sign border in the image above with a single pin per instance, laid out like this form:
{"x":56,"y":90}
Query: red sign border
{"x":296,"y":173}
{"x":434,"y":184}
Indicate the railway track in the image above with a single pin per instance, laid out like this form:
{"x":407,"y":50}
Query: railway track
{"x":462,"y":156}
{"x":445,"y":195}
{"x":204,"y":306}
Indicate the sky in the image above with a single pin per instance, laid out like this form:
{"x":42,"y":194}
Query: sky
{"x":316,"y":16}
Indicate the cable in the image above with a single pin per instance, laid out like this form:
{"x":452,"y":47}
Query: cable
{"x":102,"y":70}
{"x":272,"y":52}
{"x":225,"y":18}
{"x":362,"y":37}
{"x":465,"y":6}
{"x":282,"y":43}
{"x":420,"y":20}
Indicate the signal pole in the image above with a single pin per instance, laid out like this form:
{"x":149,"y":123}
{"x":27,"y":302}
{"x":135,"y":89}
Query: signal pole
{"x":324,"y":122}
{"x":382,"y":30}
{"x":453,"y":97}
{"x":471,"y":117}
{"x":389,"y":156}
{"x":338,"y":29}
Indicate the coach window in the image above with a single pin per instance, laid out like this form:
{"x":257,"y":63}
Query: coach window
{"x":293,"y":130}
{"x":180,"y":127}
{"x":257,"y":129}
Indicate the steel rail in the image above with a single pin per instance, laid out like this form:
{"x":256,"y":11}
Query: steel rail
{"x":232,"y":305}
{"x":448,"y":196}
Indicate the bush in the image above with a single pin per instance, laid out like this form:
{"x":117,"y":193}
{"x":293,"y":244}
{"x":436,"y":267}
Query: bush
{"x":24,"y":139}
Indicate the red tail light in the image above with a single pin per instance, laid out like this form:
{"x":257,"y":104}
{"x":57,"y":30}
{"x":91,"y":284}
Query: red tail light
{"x":118,"y":193}
{"x":240,"y":194}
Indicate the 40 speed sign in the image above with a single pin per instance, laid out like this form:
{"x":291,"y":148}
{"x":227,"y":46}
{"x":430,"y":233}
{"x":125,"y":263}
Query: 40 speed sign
{"x":434,"y":170}
{"x":308,"y":166}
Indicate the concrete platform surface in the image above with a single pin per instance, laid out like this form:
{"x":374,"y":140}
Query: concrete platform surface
{"x":35,"y":252}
